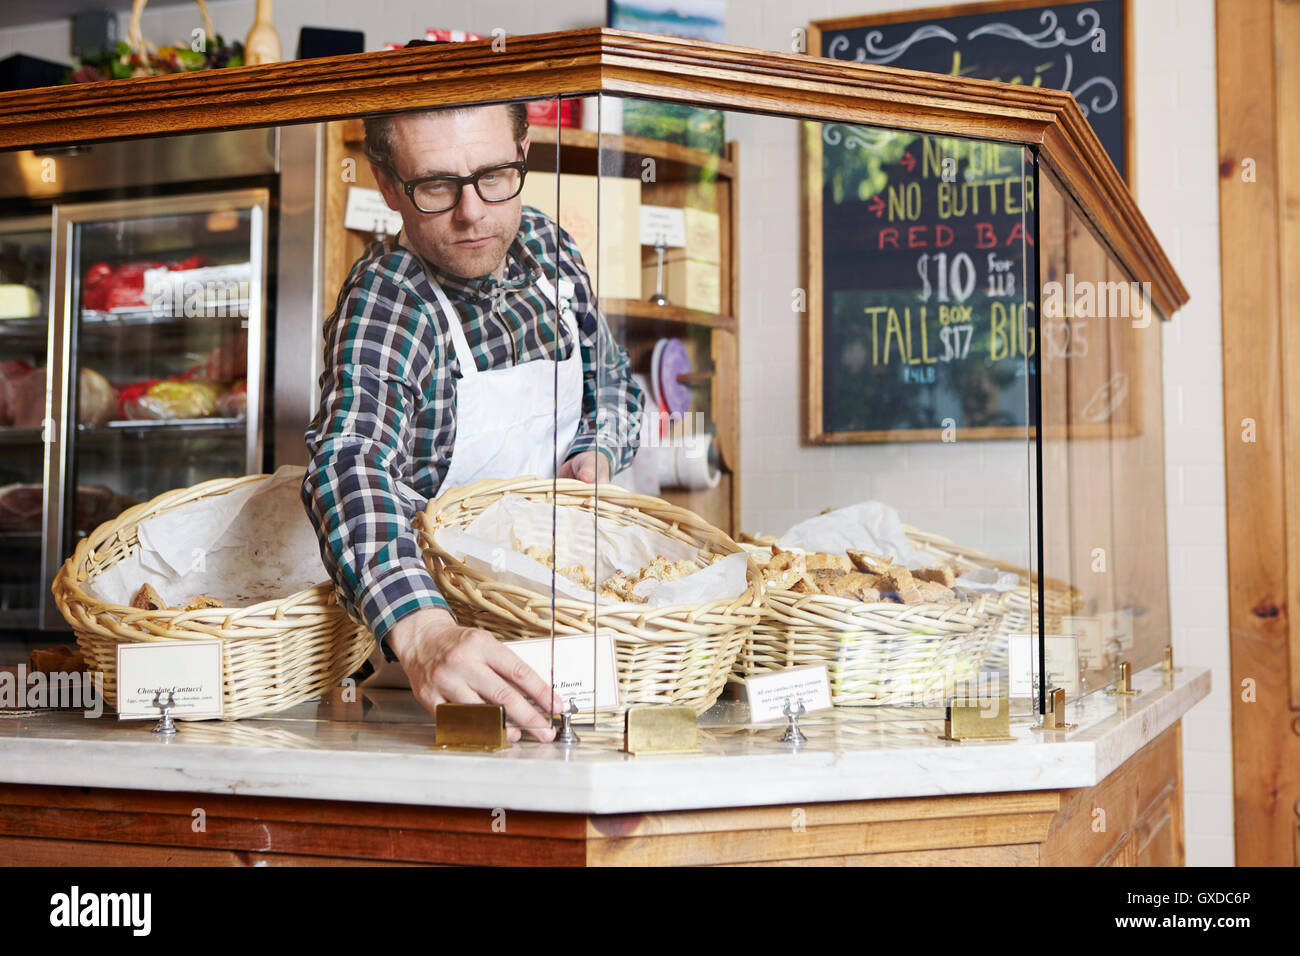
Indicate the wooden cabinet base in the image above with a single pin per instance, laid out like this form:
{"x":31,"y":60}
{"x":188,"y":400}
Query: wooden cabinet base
{"x":1132,"y":818}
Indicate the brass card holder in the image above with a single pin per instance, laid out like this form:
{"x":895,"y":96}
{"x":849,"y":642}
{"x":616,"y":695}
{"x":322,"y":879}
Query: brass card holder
{"x":969,"y":718}
{"x":1054,"y":719}
{"x":656,"y":729}
{"x":1167,"y":665}
{"x":480,"y":727}
{"x":1125,"y":684}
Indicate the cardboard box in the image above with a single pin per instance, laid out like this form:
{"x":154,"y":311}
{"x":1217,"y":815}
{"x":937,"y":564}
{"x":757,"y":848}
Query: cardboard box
{"x":613,"y":259}
{"x":687,"y":282}
{"x":703,"y":235}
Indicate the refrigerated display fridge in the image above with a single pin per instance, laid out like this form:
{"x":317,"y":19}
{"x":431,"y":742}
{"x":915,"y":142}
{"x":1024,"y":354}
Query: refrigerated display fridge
{"x":134,"y":332}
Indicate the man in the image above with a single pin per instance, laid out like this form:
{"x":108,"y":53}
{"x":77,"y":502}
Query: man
{"x":404,"y":412}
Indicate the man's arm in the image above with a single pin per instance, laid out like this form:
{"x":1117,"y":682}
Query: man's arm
{"x":612,"y":403}
{"x":379,"y":350}
{"x":380,"y":354}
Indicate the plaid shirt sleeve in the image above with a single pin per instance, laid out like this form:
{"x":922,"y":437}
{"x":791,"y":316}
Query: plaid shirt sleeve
{"x":380,"y":353}
{"x":612,"y":402}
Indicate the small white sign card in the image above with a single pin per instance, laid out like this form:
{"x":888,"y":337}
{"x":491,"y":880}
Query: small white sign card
{"x":1022,"y":653}
{"x":1117,"y":626}
{"x":367,"y":212}
{"x":663,"y":224}
{"x":191,"y":670}
{"x":768,"y":693}
{"x":1087,"y":631}
{"x":579,"y":673}
{"x":1062,"y":664}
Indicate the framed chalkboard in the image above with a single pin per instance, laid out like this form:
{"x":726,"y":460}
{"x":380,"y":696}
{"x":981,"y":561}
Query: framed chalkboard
{"x":921,"y":248}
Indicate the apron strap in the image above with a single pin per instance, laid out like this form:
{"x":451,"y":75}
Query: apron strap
{"x":459,"y":343}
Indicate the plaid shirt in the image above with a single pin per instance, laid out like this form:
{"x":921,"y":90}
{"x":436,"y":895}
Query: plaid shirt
{"x":388,"y":401}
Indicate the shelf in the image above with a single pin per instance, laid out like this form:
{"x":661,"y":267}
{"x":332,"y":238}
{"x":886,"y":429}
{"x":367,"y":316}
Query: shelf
{"x":20,"y":436}
{"x":635,"y":146}
{"x":183,"y":426}
{"x":22,"y":537}
{"x":152,"y":428}
{"x":134,"y":318}
{"x":36,"y":325}
{"x":675,"y":314}
{"x":16,"y":620}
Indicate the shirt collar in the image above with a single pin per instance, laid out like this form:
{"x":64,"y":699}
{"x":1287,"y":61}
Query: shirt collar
{"x":522,"y":269}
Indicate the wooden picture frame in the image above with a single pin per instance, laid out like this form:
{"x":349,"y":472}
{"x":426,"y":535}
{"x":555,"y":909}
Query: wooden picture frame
{"x":813,"y":399}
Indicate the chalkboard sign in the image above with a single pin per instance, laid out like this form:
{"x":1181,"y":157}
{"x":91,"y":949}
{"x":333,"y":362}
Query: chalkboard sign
{"x":1079,"y":47}
{"x":923,"y":246}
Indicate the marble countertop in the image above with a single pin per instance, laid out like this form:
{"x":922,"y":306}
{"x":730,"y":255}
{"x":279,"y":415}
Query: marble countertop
{"x":381,"y":750}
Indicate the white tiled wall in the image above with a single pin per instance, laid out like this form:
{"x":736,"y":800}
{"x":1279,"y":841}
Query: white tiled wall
{"x":968,"y":490}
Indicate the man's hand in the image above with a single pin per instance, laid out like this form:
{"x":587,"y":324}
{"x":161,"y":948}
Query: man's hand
{"x":447,"y":663}
{"x":588,"y":466}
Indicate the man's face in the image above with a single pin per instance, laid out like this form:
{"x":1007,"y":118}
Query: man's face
{"x":470,"y":240}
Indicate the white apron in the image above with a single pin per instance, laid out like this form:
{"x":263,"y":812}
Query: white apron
{"x":504,"y":422}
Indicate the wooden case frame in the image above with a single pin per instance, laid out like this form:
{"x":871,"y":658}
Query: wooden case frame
{"x":596,"y":60}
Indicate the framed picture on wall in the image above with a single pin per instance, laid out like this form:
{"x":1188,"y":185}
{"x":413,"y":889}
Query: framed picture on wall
{"x":886,"y":247}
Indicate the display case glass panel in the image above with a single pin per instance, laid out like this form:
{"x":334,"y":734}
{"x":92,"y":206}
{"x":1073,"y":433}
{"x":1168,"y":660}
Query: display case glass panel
{"x":1105,"y":572}
{"x":881,"y":274}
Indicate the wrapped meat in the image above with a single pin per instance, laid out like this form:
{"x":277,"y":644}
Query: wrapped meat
{"x":108,"y":287}
{"x":170,"y":399}
{"x":234,"y":403}
{"x":96,"y":399}
{"x":11,"y":372}
{"x":26,"y":399}
{"x":227,"y":362}
{"x":22,"y":397}
{"x":20,"y":507}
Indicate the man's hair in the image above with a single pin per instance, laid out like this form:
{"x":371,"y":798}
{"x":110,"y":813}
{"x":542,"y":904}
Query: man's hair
{"x":378,"y":145}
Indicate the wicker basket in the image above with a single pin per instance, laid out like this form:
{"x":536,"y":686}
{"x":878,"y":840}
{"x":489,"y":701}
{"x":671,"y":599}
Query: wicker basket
{"x":275,"y":653}
{"x":677,"y":654}
{"x":876,"y":653}
{"x":1016,"y":609}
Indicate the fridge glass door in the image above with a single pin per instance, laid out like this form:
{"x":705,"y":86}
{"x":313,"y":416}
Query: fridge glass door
{"x":24,"y":343}
{"x":162,"y":351}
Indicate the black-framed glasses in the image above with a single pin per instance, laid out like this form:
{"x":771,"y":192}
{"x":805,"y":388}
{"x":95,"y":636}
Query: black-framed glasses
{"x":431,"y":194}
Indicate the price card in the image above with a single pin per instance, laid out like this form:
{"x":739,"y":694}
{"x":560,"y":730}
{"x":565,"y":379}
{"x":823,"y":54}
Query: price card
{"x":1087,"y":632}
{"x":367,"y":212}
{"x":1022,"y":653}
{"x":663,"y":225}
{"x":768,"y":693}
{"x":1062,"y":663}
{"x":584,"y":667}
{"x":191,"y":670}
{"x":1117,"y":626}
